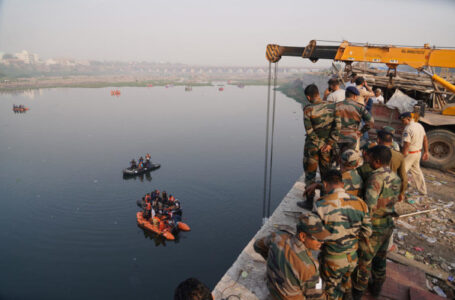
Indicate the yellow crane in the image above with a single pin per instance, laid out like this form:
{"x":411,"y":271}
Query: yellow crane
{"x":416,"y":57}
{"x":440,"y":127}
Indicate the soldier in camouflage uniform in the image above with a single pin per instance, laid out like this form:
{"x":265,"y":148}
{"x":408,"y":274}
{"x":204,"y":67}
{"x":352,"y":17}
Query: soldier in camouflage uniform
{"x":385,"y":138}
{"x":292,"y":271}
{"x":346,"y":217}
{"x":353,"y":183}
{"x":351,"y":114}
{"x":391,"y":131}
{"x":322,"y":125}
{"x":381,"y":194}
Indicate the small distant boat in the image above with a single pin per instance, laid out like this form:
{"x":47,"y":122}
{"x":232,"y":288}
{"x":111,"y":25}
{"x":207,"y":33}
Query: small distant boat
{"x":241,"y":85}
{"x":20,"y":108}
{"x":221,"y":89}
{"x":169,"y":85}
{"x":188,"y":88}
{"x":149,"y":85}
{"x":115,"y":92}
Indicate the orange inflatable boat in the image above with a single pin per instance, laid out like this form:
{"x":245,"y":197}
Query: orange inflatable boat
{"x":144,"y":223}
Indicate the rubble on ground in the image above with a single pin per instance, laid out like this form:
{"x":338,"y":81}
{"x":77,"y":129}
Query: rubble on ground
{"x":425,"y":230}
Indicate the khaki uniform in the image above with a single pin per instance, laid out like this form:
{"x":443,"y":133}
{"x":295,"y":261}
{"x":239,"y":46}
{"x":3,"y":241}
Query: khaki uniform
{"x":414,"y":134}
{"x":397,"y":166}
{"x":364,"y":95}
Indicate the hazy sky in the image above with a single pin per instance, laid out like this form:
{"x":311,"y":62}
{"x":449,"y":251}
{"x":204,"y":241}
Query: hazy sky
{"x":213,"y":32}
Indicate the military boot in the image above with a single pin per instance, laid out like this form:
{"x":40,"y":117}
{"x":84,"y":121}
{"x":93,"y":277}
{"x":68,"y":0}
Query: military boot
{"x":347,"y":295}
{"x":375,"y":288}
{"x":356,"y":294}
{"x":308,"y":203}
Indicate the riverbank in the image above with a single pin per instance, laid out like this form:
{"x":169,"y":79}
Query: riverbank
{"x":81,"y":81}
{"x":424,"y":244}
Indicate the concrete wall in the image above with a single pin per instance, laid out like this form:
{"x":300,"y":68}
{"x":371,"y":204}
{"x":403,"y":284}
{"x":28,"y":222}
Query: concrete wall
{"x":246,"y":277}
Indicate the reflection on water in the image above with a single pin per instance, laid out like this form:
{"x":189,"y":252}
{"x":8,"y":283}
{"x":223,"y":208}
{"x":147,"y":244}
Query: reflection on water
{"x":26,"y":93}
{"x":160,"y":240}
{"x":68,"y":225}
{"x":139,"y":177}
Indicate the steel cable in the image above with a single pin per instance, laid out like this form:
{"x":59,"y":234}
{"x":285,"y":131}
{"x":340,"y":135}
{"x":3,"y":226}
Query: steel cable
{"x":264,"y":217}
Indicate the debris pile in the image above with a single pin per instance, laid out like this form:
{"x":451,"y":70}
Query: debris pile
{"x":425,"y":232}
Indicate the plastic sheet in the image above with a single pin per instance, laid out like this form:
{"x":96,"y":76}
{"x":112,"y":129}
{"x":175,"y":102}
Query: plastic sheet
{"x":402,"y":102}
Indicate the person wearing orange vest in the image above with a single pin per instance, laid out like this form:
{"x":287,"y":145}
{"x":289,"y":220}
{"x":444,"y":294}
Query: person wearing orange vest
{"x":148,"y":210}
{"x":148,"y":198}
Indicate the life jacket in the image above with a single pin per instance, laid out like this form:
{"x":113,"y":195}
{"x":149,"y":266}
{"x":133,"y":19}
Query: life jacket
{"x":172,"y":198}
{"x":162,"y":226}
{"x":149,"y":206}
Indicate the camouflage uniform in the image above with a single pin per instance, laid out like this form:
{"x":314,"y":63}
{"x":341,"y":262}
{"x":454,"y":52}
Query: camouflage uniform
{"x":381,"y":194}
{"x":292,"y":271}
{"x":322,"y":125}
{"x":346,"y":217}
{"x":391,"y":130}
{"x":353,"y":183}
{"x":351,"y":115}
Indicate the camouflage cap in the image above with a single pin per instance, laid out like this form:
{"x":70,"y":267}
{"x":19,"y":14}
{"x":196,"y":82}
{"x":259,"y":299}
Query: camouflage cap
{"x":312,"y":225}
{"x":389,"y":130}
{"x":351,"y":158}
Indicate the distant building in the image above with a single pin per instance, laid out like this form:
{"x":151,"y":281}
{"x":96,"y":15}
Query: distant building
{"x":27,"y":57}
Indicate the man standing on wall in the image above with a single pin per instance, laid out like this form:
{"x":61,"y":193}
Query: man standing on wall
{"x":322,"y":126}
{"x":351,"y":115}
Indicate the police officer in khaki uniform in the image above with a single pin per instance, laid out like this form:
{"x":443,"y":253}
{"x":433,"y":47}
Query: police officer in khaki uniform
{"x":414,"y":141}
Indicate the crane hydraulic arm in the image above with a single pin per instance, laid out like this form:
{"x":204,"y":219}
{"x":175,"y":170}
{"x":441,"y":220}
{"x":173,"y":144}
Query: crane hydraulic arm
{"x":392,"y":56}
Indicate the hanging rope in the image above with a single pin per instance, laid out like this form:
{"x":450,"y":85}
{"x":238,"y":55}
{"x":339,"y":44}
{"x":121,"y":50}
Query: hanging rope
{"x":268,"y":162}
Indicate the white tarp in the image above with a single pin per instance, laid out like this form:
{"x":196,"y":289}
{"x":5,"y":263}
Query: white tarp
{"x":402,"y":102}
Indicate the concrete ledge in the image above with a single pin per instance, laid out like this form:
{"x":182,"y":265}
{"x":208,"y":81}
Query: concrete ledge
{"x":253,"y":287}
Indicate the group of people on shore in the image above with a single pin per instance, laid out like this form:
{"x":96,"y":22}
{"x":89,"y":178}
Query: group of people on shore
{"x":351,"y":223}
{"x":162,"y":210}
{"x":140,"y":164}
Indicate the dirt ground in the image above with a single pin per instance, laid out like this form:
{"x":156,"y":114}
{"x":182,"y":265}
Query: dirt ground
{"x":430,"y":237}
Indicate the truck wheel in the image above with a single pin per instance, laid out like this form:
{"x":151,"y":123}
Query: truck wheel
{"x":441,"y":144}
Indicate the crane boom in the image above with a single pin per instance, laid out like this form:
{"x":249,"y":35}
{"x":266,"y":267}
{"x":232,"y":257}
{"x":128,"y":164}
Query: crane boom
{"x":415,"y":57}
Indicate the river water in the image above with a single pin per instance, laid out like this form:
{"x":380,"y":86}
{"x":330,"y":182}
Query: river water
{"x":67,"y":217}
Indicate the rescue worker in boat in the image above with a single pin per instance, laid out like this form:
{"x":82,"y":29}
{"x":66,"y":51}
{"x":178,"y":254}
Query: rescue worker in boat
{"x":133,"y":164}
{"x":148,"y":210}
{"x":174,"y":204}
{"x":155,"y":194}
{"x":141,"y":163}
{"x":147,"y":157}
{"x":164,"y":196}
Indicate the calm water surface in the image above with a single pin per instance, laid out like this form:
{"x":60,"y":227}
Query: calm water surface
{"x":67,"y":217}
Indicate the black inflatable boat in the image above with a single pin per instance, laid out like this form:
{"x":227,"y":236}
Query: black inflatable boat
{"x":136,"y":171}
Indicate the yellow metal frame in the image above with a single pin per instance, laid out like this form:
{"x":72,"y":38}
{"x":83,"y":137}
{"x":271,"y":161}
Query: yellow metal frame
{"x":393,"y":56}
